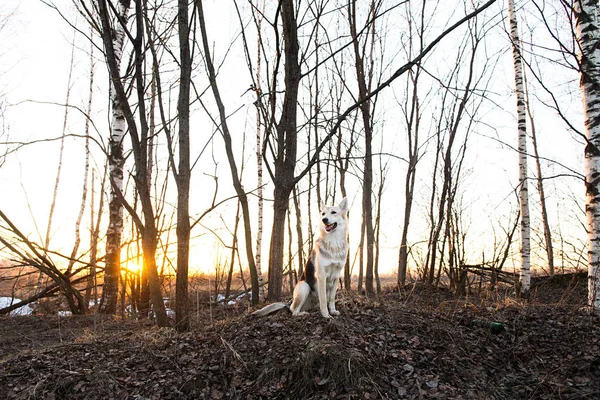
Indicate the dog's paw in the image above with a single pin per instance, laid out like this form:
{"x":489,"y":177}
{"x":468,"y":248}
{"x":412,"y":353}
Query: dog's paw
{"x":334,"y":312}
{"x":326,"y":314}
{"x":300,"y":314}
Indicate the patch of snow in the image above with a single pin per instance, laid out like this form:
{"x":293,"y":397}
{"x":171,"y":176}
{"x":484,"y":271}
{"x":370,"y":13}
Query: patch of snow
{"x":221,"y":298}
{"x":23,"y":310}
{"x":65,"y":313}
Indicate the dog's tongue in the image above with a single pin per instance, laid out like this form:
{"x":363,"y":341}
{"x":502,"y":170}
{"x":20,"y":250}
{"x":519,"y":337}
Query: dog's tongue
{"x":329,"y":227}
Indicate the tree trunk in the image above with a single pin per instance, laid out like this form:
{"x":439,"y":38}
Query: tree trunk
{"x":588,"y":34}
{"x":276,"y":249}
{"x":413,"y":120}
{"x":93,"y":227}
{"x":116,"y":161}
{"x":149,"y":240}
{"x":525,"y":275}
{"x":259,"y":164}
{"x":367,"y":187}
{"x":237,"y":184}
{"x":300,"y":236}
{"x":285,"y":159}
{"x":139,"y":143}
{"x":234,"y":248}
{"x":540,"y":184}
{"x":182,"y":322}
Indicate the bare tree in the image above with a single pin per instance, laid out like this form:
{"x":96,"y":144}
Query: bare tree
{"x":139,"y":143}
{"x":525,"y":276}
{"x":412,"y":117}
{"x":61,"y":152}
{"x":540,"y":182}
{"x":457,"y":109}
{"x":182,"y":175}
{"x":365,"y":80}
{"x":26,"y":253}
{"x":281,"y":137}
{"x":587,"y":35}
{"x":285,"y":139}
{"x":259,"y":158}
{"x":115,"y":34}
{"x":224,"y":129}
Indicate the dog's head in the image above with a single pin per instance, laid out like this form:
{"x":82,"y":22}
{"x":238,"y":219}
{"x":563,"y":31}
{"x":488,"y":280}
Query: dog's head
{"x":334,"y":217}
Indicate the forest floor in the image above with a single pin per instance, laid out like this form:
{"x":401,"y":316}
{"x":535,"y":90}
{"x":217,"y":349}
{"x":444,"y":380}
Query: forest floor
{"x":418,"y":344}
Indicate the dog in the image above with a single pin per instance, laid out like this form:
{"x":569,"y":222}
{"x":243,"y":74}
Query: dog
{"x":319,"y":281}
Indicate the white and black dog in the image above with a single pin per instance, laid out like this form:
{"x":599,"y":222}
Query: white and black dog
{"x":319,"y":281}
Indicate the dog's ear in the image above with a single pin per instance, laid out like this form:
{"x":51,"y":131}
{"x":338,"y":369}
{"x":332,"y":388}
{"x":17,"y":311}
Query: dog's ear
{"x":344,"y":204}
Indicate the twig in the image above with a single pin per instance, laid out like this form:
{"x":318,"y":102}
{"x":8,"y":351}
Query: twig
{"x":235,"y":353}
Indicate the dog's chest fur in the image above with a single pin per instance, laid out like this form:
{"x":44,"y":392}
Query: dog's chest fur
{"x":332,"y":250}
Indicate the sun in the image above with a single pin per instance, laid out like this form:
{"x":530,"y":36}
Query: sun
{"x":133,"y":267}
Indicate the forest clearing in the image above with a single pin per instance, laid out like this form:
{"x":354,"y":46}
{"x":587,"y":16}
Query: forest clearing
{"x":418,"y":344}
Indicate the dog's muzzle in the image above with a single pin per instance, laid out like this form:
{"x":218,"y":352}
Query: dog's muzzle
{"x":330,"y":227}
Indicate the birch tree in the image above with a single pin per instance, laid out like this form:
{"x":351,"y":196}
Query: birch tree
{"x":259,"y":159}
{"x":525,"y":273}
{"x":587,"y":35}
{"x":139,"y":144}
{"x":116,"y":162}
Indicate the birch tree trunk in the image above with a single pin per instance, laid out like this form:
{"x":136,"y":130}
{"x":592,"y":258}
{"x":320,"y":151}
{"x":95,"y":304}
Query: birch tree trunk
{"x":139,"y":143}
{"x":588,"y":34}
{"x":525,"y":275}
{"x":259,"y":163}
{"x":116,"y":161}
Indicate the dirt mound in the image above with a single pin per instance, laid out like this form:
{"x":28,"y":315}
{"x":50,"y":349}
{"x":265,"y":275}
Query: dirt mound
{"x":392,"y":348}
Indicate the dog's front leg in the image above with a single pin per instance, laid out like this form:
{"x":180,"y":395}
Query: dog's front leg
{"x":322,"y":292}
{"x":332,"y":285}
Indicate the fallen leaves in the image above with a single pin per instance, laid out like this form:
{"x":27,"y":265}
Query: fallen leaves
{"x":390,"y":349}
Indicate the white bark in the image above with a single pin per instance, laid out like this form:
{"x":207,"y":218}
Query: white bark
{"x":587,"y":33}
{"x":525,"y":275}
{"x":118,"y":124}
{"x":115,"y":170}
{"x":259,"y":170}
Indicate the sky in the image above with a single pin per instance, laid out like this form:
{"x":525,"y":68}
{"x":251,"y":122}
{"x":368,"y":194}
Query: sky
{"x":35,"y":54}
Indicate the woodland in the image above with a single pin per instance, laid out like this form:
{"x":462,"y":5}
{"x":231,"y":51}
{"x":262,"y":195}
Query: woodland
{"x":175,"y":188}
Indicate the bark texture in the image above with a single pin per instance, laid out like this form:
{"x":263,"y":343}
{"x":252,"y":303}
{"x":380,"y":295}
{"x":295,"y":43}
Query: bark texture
{"x":525,"y":274}
{"x":183,"y":174}
{"x":116,"y":162}
{"x":587,"y":31}
{"x":286,"y":141}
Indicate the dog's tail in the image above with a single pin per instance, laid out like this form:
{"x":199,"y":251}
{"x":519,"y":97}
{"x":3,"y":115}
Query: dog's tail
{"x":270,"y":309}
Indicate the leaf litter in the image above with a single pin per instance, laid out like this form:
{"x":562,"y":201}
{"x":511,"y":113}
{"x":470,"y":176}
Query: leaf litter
{"x":419,"y":344}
